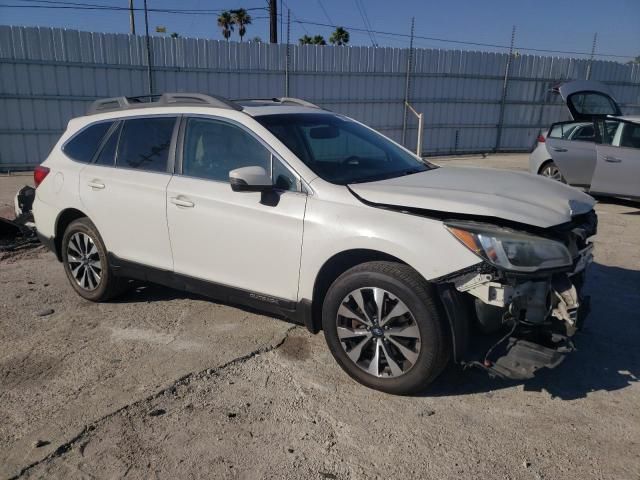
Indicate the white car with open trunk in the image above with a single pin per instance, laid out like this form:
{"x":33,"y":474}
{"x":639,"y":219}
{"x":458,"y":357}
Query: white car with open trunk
{"x":283,"y":206}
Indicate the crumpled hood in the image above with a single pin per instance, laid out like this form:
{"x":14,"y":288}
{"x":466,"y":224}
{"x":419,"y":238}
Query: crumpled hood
{"x":508,"y":195}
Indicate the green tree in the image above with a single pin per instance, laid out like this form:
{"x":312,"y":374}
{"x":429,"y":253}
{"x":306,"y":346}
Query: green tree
{"x":174,"y":35}
{"x":255,"y":40}
{"x":315,"y":40}
{"x":225,"y":22}
{"x":241,"y":18}
{"x":634,"y":61}
{"x":339,"y":37}
{"x":318,"y":40}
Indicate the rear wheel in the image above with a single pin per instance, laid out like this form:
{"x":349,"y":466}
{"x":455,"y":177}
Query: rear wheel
{"x":85,"y":262}
{"x":551,"y":170}
{"x":383,"y":326}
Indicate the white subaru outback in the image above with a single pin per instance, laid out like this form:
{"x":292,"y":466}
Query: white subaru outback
{"x":282,"y":206}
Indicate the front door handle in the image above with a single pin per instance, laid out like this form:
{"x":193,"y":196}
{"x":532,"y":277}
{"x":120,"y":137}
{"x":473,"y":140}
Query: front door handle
{"x":612,"y":159}
{"x":181,"y":202}
{"x":559,"y":149}
{"x":96,"y":185}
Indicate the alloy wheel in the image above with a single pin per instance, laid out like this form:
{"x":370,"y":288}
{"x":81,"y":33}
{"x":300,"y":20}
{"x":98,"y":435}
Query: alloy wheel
{"x":378,"y":332}
{"x":553,"y":172}
{"x":84,"y":261}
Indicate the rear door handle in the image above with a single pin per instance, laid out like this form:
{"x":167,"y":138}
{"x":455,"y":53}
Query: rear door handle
{"x":95,"y":184}
{"x":181,"y":202}
{"x":612,"y":159}
{"x":559,"y":149}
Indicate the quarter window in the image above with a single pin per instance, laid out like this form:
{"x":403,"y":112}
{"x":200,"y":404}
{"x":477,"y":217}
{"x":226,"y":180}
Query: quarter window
{"x":144,"y":143}
{"x":83,"y":146}
{"x":212,"y":148}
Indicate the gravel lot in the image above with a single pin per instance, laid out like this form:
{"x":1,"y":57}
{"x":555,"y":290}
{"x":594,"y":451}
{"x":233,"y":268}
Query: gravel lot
{"x":169,"y":385}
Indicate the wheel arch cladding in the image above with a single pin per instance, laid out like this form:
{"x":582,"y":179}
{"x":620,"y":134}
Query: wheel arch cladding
{"x":64,"y":219}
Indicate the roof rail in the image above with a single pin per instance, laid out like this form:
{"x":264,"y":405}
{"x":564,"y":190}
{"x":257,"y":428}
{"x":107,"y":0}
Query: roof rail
{"x":297,"y":101}
{"x":176,"y":99}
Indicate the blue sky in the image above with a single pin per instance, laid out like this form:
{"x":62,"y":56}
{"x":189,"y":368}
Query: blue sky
{"x":542,"y":24}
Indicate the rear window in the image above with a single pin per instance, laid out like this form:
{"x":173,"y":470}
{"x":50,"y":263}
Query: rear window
{"x":593,"y":103}
{"x":84,"y":145}
{"x":144,"y":143}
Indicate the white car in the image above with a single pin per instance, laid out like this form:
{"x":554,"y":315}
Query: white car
{"x":285,"y":207}
{"x":599,"y":150}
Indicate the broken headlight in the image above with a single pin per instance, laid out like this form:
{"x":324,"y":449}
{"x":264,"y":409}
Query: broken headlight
{"x":510,"y":250}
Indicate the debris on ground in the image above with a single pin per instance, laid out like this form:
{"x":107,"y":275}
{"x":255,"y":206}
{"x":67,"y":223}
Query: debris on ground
{"x":45,"y":312}
{"x":19,"y":233}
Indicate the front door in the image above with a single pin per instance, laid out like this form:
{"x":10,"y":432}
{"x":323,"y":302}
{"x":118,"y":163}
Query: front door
{"x":618,"y":166}
{"x":236,"y":239}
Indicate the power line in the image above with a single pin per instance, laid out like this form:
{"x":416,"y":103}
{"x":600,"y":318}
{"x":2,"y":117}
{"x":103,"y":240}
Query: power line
{"x":461,"y":42}
{"x":66,"y":5}
{"x":324,"y":10}
{"x":55,"y":5}
{"x":365,"y":20}
{"x":295,"y":19}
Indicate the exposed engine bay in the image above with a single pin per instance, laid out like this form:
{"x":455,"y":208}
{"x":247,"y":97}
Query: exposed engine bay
{"x":530,"y":317}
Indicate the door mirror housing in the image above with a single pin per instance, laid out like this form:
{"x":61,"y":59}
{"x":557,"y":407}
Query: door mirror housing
{"x":250,"y":179}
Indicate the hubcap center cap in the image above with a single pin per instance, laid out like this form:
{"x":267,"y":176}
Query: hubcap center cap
{"x":377,"y":332}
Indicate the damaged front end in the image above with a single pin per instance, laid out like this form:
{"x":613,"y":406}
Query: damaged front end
{"x":525,"y":298}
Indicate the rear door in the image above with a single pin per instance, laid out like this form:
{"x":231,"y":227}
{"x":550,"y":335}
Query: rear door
{"x":618,"y":166}
{"x":123,"y":191}
{"x":573,"y":149}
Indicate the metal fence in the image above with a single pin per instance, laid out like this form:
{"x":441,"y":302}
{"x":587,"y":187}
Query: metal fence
{"x":49,"y":75}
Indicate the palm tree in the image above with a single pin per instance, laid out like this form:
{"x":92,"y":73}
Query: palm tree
{"x":242,"y":19}
{"x":318,"y":40}
{"x":225,"y":22}
{"x":339,"y":37}
{"x":315,"y":40}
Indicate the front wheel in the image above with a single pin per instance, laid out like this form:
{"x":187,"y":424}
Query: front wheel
{"x":383,"y":326}
{"x":85,"y":262}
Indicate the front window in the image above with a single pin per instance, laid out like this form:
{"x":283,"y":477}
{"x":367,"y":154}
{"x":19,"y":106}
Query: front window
{"x":340,"y":150}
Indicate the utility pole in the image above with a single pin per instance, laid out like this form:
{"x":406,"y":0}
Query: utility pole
{"x":148,"y":44}
{"x":132,"y":18}
{"x":407,"y":85}
{"x":593,"y":54}
{"x":273,"y":21}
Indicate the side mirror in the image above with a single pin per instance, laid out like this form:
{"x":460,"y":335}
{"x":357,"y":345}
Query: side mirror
{"x":250,"y":179}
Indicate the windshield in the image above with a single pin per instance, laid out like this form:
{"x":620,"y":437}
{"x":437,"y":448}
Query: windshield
{"x":340,"y":150}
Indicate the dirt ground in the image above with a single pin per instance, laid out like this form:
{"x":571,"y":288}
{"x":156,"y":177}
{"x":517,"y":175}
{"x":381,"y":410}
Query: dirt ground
{"x":163,"y":384}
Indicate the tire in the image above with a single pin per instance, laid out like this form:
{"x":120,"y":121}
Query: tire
{"x":423,"y":352}
{"x":550,"y":170}
{"x":86,"y":264}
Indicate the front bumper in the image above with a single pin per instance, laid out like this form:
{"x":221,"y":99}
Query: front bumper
{"x":526,"y":321}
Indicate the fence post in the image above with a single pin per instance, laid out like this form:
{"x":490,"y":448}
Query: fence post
{"x":148,"y":45}
{"x":286,"y":66}
{"x":505,"y":85}
{"x":407,"y":85}
{"x":593,"y":54}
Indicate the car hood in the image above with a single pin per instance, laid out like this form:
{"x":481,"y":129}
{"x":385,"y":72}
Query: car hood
{"x":483,"y":192}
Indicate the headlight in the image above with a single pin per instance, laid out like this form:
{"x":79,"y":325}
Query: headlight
{"x":511,"y":250}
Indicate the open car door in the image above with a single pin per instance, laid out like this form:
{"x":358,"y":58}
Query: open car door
{"x":572,"y":145}
{"x":587,"y":100}
{"x":617,"y":169}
